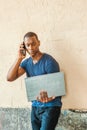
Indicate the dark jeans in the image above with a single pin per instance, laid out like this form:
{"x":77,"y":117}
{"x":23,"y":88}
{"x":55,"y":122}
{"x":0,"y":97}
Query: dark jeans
{"x":45,"y":118}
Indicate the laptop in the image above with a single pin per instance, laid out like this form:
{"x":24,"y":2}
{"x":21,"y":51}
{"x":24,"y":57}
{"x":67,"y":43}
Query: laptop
{"x":53,"y":83}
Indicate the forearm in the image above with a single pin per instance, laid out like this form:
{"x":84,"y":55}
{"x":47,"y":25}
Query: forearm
{"x":13,"y":71}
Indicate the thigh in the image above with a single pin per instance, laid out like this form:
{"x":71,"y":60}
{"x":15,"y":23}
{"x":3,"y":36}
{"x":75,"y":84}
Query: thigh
{"x":35,"y":122}
{"x":50,"y":118}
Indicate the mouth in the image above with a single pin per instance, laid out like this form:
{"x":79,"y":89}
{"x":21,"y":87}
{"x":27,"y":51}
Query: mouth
{"x":31,"y":52}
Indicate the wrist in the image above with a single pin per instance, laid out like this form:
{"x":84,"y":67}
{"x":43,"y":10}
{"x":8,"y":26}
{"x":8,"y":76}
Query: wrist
{"x":19,"y":59}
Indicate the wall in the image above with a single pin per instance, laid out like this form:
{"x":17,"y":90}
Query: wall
{"x":62,"y":29}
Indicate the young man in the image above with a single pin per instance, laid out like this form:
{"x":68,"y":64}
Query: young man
{"x":45,"y":111}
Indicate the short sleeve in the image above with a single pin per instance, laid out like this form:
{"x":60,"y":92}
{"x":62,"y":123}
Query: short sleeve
{"x":23,"y":64}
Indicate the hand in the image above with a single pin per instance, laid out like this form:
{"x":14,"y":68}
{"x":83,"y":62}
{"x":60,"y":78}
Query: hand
{"x":44,"y":97}
{"x":22,"y":51}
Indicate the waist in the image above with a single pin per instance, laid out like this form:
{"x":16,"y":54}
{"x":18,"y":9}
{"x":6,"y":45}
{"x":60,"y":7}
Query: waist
{"x":55,"y":102}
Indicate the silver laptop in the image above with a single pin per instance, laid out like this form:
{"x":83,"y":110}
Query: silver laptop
{"x":53,"y":83}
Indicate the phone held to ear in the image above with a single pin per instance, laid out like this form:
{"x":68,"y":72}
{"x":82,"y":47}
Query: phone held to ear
{"x":24,"y":51}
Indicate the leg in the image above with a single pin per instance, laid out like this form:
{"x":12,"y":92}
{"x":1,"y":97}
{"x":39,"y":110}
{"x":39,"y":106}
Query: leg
{"x":34,"y":119}
{"x":50,"y":118}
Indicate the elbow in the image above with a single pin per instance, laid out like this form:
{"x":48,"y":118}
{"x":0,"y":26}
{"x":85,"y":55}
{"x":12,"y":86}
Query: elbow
{"x":9,"y":79}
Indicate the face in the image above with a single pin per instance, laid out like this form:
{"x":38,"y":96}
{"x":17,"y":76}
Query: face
{"x":32,"y":45}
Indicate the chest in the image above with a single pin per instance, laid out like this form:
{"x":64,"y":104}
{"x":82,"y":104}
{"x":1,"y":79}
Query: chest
{"x":36,"y":69}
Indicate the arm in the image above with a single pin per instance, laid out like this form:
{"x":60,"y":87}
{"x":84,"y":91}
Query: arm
{"x":16,"y":71}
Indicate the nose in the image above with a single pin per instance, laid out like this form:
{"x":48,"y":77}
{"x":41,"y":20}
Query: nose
{"x":30,"y":47}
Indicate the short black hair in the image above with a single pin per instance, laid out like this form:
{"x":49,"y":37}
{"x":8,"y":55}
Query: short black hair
{"x":31,"y":34}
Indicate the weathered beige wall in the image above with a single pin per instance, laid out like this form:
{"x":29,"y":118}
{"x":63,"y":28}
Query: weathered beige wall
{"x":62,"y":29}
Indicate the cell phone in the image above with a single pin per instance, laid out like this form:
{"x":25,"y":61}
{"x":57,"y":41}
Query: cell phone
{"x":24,"y":51}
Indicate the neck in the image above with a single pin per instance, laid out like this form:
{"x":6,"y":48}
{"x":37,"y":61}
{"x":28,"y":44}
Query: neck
{"x":37,"y":56}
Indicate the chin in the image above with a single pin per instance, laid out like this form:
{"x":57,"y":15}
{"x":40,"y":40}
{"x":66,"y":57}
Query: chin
{"x":32,"y":54}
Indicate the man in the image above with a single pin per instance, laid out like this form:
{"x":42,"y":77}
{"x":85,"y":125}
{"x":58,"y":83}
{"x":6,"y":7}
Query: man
{"x":45,"y":111}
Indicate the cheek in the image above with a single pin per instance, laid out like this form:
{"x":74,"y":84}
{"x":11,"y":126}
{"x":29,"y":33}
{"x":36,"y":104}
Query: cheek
{"x":36,"y":47}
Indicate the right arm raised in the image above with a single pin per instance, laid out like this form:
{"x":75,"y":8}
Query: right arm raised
{"x":16,"y":71}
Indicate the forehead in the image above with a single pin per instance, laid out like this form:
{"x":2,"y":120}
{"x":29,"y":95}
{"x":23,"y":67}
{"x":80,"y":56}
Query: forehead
{"x":30,"y":39}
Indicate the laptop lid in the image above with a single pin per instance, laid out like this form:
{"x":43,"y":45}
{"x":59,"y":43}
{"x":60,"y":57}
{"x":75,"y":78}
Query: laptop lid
{"x":53,"y":83}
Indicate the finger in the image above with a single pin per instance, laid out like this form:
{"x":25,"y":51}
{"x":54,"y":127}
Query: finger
{"x":43,"y":94}
{"x":21,"y":48}
{"x":46,"y":99}
{"x":22,"y":45}
{"x":40,"y":99}
{"x":53,"y":97}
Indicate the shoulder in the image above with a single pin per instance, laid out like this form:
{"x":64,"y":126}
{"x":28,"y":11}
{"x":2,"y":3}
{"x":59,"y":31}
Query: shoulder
{"x":25,"y":62}
{"x":51,"y":65}
{"x":49,"y":58}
